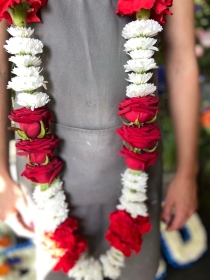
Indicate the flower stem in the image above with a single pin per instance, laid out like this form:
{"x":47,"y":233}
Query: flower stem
{"x":19,"y":13}
{"x":143,"y":14}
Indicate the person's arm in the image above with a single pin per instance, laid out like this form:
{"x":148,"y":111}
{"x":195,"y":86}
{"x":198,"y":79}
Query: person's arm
{"x":184,"y":95}
{"x":10,"y":194}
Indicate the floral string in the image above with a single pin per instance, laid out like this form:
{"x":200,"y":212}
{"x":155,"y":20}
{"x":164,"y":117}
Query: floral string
{"x":139,"y":133}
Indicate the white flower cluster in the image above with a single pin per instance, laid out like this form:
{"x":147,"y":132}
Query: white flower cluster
{"x":53,"y":210}
{"x":134,"y":194}
{"x":141,"y":47}
{"x":86,"y":269}
{"x":112,"y":263}
{"x":27,"y":70}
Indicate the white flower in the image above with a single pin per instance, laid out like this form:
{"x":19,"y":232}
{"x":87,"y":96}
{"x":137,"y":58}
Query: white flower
{"x":140,"y":90}
{"x":140,"y":65}
{"x":148,"y":28}
{"x":17,"y":45}
{"x":35,"y":100}
{"x":141,"y":43}
{"x":133,"y":196}
{"x":86,"y":269}
{"x":139,"y":78}
{"x":26,"y":71}
{"x":112,"y":263}
{"x":16,"y":31}
{"x":26,"y":83}
{"x":135,"y":209}
{"x":136,"y":182}
{"x":140,"y":54}
{"x":25,"y":60}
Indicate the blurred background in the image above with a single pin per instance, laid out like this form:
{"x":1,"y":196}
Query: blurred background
{"x":16,"y":251}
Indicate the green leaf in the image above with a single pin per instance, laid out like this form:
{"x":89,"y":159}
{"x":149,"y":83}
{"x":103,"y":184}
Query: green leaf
{"x":43,"y":131}
{"x":22,"y":134}
{"x":19,"y":13}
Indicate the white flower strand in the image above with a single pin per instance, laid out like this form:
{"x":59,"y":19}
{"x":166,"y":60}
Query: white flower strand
{"x":32,"y":101}
{"x":141,"y":54}
{"x":24,"y":32}
{"x":86,"y":269}
{"x":26,"y":71}
{"x":25,"y":60}
{"x":140,"y":65}
{"x":137,"y":182}
{"x":138,"y":79}
{"x":148,"y":28}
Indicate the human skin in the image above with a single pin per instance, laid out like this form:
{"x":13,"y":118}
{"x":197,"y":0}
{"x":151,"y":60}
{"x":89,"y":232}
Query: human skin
{"x":182,"y":76}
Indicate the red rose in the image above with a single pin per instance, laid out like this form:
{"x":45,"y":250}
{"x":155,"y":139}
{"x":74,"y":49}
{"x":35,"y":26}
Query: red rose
{"x":141,"y":109}
{"x":125,"y":232}
{"x":160,"y":9}
{"x":143,"y":137}
{"x":130,"y":7}
{"x":74,"y":245}
{"x":30,"y":121}
{"x":44,"y":174}
{"x":138,"y":161}
{"x":39,"y":149}
{"x":31,"y":16}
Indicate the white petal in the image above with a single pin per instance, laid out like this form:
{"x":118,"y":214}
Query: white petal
{"x":140,"y":65}
{"x":148,"y":28}
{"x":25,"y":60}
{"x":28,"y":46}
{"x":140,"y":90}
{"x":140,"y":44}
{"x":26,"y":83}
{"x":135,"y":209}
{"x":16,"y":31}
{"x":140,"y":54}
{"x":136,"y":182}
{"x":133,"y":196}
{"x":86,"y":268}
{"x":139,"y":78}
{"x":35,"y":100}
{"x":26,"y":71}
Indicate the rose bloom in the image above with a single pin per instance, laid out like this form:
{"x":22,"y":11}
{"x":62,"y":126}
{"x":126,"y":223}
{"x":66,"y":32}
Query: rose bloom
{"x":44,"y":174}
{"x":143,"y":137}
{"x":29,"y":121}
{"x":38,"y":149}
{"x":125,"y":233}
{"x":159,"y":8}
{"x":142,"y":109}
{"x":138,"y":161}
{"x":31,"y":16}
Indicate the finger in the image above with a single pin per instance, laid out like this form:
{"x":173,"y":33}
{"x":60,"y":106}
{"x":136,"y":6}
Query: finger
{"x":19,"y":228}
{"x":178,"y":221}
{"x":25,"y":214}
{"x":166,"y":215}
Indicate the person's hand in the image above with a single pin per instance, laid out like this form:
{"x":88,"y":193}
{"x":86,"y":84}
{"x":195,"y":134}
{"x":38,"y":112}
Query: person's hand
{"x":12,"y":204}
{"x":181,"y":201}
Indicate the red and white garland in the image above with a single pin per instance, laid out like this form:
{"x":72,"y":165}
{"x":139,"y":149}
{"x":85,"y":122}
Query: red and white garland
{"x":139,"y":133}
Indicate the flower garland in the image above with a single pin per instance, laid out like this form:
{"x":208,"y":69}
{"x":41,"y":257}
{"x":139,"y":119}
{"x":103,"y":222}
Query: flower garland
{"x":139,"y":133}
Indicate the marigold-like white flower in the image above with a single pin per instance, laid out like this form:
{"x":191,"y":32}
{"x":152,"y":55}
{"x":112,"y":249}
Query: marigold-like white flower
{"x":17,"y":45}
{"x":41,"y":197}
{"x":35,"y":100}
{"x":138,"y":79}
{"x":86,"y":269}
{"x":16,"y":31}
{"x":136,"y":182}
{"x":133,"y":196}
{"x":135,"y":209}
{"x":112,"y":263}
{"x":27,"y":71}
{"x":25,"y":60}
{"x":140,"y":90}
{"x":148,"y":28}
{"x":27,"y":83}
{"x":141,"y":54}
{"x":140,"y":65}
{"x":141,"y":43}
